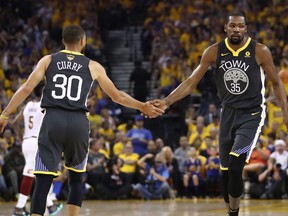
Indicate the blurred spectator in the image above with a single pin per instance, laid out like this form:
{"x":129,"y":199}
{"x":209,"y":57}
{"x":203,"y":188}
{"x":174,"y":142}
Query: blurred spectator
{"x":139,"y":136}
{"x":168,"y":80}
{"x":208,"y":143}
{"x":215,"y":123}
{"x":212,"y":112}
{"x":197,"y":129}
{"x":126,"y":126}
{"x":257,"y":163}
{"x":157,"y":174}
{"x":275,"y":118}
{"x":280,"y":155}
{"x":212,"y":167}
{"x":213,"y":133}
{"x":96,"y":163}
{"x":8,"y":137}
{"x":13,"y":167}
{"x":271,"y":137}
{"x":140,"y":81}
{"x":272,"y":180}
{"x":106,"y":116}
{"x":190,"y":120}
{"x":114,"y":184}
{"x":105,"y":146}
{"x":4,"y":192}
{"x":95,"y":120}
{"x":106,"y":132}
{"x":152,"y":148}
{"x":181,"y":153}
{"x":192,"y":177}
{"x":174,"y":179}
{"x":120,"y":141}
{"x":159,"y":143}
{"x":129,"y":162}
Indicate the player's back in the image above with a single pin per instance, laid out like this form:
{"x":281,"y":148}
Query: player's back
{"x":68,"y":81}
{"x":32,"y":119}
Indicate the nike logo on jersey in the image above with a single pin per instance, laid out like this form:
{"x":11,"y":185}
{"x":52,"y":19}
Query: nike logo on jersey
{"x":254,"y":113}
{"x":224,"y":54}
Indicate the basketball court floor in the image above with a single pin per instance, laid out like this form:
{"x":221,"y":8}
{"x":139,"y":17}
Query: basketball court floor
{"x":177,"y":207}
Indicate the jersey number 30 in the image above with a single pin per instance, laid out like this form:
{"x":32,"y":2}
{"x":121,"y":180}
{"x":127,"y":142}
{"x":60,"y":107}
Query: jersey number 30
{"x":65,"y":85}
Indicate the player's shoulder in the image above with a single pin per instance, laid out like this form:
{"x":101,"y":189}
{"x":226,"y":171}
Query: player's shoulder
{"x":210,"y":53}
{"x":262,"y":51}
{"x":211,"y":50}
{"x":45,"y":60}
{"x":96,"y":69}
{"x":261,"y":47}
{"x":94,"y":63}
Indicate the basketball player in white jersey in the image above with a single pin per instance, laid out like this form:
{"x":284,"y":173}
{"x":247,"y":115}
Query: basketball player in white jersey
{"x":32,"y":116}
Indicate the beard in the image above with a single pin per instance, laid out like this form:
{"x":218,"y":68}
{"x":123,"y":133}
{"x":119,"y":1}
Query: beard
{"x":236,"y":40}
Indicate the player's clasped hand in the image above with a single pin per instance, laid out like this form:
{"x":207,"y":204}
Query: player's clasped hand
{"x":151,"y":111}
{"x":158,"y":105}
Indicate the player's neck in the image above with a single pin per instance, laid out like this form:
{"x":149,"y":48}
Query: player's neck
{"x":237,"y":46}
{"x":73,"y":48}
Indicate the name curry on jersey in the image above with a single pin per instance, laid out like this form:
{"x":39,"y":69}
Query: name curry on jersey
{"x":63,"y":65}
{"x":68,"y":81}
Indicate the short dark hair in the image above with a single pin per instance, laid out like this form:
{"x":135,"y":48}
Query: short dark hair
{"x":235,"y":14}
{"x":72,"y":34}
{"x":272,"y":135}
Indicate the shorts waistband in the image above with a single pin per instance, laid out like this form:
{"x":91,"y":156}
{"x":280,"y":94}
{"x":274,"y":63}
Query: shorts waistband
{"x":241,"y":108}
{"x":65,"y":110}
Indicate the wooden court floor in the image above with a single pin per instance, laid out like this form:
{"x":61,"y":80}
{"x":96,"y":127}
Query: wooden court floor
{"x":177,"y":207}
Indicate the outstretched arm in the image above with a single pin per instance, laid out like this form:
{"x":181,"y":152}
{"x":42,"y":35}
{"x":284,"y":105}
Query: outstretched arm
{"x":25,"y":90}
{"x":186,"y":87}
{"x":98,"y":73}
{"x":264,"y":58}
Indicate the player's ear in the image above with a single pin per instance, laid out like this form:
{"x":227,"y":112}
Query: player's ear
{"x":225,"y":28}
{"x":83,"y":41}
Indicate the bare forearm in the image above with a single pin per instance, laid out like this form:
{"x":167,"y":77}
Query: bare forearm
{"x":20,"y":95}
{"x":159,"y":177}
{"x":281,"y":96}
{"x":141,"y":161}
{"x":263,"y":176}
{"x":180,"y":92}
{"x":126,"y":100}
{"x":130,"y":162}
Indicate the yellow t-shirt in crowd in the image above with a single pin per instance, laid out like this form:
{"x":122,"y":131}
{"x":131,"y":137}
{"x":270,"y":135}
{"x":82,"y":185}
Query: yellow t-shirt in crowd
{"x":108,"y":133}
{"x":275,"y":114}
{"x":118,"y":148}
{"x":129,"y":168}
{"x":95,"y":120}
{"x":195,"y":134}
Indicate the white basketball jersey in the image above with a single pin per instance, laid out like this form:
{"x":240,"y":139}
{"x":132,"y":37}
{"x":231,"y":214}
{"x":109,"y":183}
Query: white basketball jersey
{"x":32,"y":119}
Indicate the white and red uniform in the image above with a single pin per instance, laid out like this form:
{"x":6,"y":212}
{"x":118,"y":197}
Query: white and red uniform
{"x":32,"y":122}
